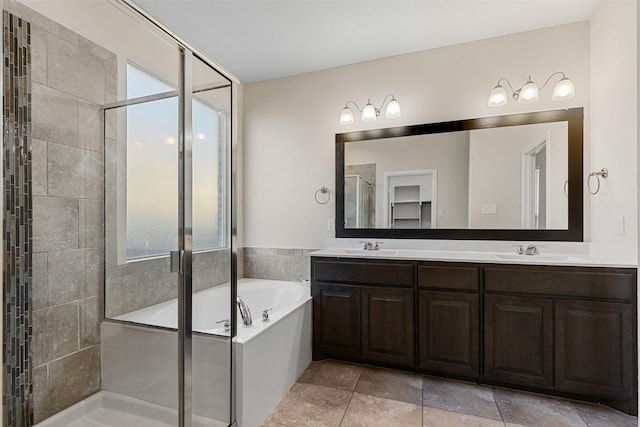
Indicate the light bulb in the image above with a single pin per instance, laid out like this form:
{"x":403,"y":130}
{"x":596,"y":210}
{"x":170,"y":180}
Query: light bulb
{"x":346,"y":116}
{"x":564,"y":89}
{"x":497,"y":97}
{"x":529,"y":93}
{"x":393,"y":109}
{"x":369,"y":112}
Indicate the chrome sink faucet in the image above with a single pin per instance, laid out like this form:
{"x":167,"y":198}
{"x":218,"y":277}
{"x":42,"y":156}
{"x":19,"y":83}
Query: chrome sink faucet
{"x":368,"y":246}
{"x":244,"y":312}
{"x":530,"y":250}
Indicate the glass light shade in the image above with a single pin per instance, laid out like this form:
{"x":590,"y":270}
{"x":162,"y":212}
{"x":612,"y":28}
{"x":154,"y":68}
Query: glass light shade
{"x":497,"y":97}
{"x":369,"y":113}
{"x":393,"y":109}
{"x":564,"y":89}
{"x":529,"y":93}
{"x":346,"y":116}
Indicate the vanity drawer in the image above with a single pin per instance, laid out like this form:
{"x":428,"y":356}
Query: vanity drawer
{"x":368,"y":272}
{"x":585,"y":282}
{"x":457,"y":277}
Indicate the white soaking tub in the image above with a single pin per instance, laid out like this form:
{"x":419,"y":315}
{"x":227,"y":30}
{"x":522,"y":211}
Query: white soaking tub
{"x":141,"y":362}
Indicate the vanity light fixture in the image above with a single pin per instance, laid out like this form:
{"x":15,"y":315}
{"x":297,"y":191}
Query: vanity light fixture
{"x":369,"y":112}
{"x":530,"y":92}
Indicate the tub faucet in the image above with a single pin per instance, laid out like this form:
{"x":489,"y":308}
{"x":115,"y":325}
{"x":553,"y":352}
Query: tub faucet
{"x":244,"y":312}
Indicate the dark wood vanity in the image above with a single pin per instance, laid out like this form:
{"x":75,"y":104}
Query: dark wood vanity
{"x":561,"y":330}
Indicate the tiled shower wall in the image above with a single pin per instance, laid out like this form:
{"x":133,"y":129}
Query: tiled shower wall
{"x":17,"y":223}
{"x":141,"y":284}
{"x":71,"y":79}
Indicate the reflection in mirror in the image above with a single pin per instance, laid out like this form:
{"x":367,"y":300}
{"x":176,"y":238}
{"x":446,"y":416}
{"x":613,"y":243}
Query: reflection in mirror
{"x":497,"y":178}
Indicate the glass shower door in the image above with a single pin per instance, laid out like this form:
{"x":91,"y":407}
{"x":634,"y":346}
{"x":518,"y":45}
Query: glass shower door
{"x":211,"y":273}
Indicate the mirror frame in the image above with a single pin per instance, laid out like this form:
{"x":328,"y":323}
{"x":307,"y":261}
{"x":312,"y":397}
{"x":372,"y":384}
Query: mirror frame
{"x":575,"y":122}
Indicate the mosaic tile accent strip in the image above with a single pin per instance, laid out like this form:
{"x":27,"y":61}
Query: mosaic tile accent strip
{"x":17,"y":224}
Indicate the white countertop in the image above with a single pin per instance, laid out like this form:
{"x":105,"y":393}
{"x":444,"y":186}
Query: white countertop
{"x":610,"y":259}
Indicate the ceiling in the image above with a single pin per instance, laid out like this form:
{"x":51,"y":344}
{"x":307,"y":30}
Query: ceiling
{"x":259,"y":40}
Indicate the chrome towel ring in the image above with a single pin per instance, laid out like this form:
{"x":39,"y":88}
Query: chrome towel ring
{"x":604,"y":172}
{"x":322,"y":190}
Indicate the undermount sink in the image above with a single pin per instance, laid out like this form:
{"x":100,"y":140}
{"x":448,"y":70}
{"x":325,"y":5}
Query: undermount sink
{"x":380,"y":252}
{"x":559,"y":258}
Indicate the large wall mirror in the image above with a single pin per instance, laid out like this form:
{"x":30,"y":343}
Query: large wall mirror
{"x":515,"y":177}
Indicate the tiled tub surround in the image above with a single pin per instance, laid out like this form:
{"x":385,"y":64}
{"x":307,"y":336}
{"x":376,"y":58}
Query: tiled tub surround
{"x":333,"y":393}
{"x":140,"y":284}
{"x":140,"y":362}
{"x":275,"y":263}
{"x":17,"y":225}
{"x":71,"y":79}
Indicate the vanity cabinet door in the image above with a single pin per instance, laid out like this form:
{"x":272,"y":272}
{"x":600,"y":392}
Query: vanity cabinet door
{"x":448,"y":332}
{"x":518,"y":340}
{"x":388,"y":326}
{"x":594,"y":348}
{"x":336,"y":320}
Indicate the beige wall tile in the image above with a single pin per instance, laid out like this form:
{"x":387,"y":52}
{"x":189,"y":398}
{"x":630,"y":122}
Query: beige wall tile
{"x":74,"y":377}
{"x":40,"y":292}
{"x":65,"y":274}
{"x":55,"y":224}
{"x":39,"y":167}
{"x":89,"y":322}
{"x":74,"y":172}
{"x":38,"y":54}
{"x":75,"y":71}
{"x":90,"y":126}
{"x":62,"y":331}
{"x":54,"y":115}
{"x":90,"y":223}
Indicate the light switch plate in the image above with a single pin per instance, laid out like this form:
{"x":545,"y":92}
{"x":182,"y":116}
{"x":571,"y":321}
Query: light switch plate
{"x":488,"y":209}
{"x":620,"y":225}
{"x":331,"y":224}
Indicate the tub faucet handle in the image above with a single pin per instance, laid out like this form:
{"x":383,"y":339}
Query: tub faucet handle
{"x":226,"y":324}
{"x":265,"y":315}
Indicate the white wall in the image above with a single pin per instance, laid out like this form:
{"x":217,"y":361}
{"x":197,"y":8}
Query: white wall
{"x":614,"y":121}
{"x":289,"y":123}
{"x":447,"y":153}
{"x":495,"y":173}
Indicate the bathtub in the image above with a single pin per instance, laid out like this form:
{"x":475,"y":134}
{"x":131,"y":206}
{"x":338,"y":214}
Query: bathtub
{"x":141,"y":361}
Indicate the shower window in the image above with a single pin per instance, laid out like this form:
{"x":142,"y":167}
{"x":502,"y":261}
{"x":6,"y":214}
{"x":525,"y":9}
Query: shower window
{"x":152,"y":169}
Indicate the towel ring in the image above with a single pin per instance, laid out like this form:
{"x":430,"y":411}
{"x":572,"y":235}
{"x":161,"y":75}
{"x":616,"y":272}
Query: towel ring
{"x":604,"y":172}
{"x":322,"y":190}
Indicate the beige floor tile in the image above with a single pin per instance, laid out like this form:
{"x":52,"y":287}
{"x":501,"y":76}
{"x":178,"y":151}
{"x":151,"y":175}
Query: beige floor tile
{"x":272,"y":424}
{"x":435,"y":417}
{"x":310,"y":405}
{"x":332,"y":374}
{"x":371,"y":411}
{"x":603,"y":416}
{"x":532,"y":409}
{"x":459,"y":396}
{"x":390,"y":384}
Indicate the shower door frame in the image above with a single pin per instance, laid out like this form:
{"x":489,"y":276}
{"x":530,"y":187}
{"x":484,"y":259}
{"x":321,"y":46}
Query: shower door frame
{"x":185,"y":218}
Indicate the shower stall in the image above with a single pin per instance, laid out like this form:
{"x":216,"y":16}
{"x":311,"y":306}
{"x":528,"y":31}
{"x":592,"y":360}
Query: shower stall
{"x":359,"y":209}
{"x":119,"y":195}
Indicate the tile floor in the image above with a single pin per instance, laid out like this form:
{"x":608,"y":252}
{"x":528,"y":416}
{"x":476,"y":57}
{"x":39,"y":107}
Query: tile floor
{"x":331,"y":393}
